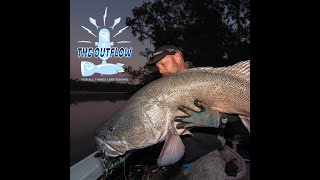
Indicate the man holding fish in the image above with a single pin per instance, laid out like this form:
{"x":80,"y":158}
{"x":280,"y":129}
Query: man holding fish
{"x":157,"y":113}
{"x":169,"y":59}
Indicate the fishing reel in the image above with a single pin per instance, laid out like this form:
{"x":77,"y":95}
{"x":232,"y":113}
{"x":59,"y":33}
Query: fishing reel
{"x":111,"y":163}
{"x":114,"y":170}
{"x":130,"y":166}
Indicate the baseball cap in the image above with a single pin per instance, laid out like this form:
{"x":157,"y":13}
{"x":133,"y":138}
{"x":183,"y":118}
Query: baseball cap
{"x":161,"y":52}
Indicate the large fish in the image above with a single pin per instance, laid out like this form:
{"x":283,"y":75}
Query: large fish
{"x":147,"y":118}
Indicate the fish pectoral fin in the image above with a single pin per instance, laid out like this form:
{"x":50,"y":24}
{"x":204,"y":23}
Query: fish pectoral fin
{"x":172,"y":151}
{"x":246,"y":122}
{"x":187,"y":132}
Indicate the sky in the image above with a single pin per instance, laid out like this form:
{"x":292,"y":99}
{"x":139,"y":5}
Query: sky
{"x":81,"y":11}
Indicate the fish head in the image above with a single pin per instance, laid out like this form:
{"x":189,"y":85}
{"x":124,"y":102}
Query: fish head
{"x":134,"y":127}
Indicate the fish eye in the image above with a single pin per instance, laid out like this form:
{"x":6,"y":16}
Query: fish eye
{"x":111,"y":129}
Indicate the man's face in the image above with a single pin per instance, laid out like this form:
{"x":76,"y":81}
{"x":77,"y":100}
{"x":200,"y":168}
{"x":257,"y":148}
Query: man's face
{"x":168,"y":65}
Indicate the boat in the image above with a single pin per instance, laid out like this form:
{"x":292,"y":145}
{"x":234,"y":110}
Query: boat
{"x":140,"y":164}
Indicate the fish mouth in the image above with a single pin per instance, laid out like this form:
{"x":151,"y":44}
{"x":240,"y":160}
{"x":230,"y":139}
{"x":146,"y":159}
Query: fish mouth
{"x":110,"y":149}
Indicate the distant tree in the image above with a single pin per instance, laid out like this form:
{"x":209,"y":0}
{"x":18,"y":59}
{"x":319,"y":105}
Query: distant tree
{"x":236,"y":14}
{"x":210,"y":32}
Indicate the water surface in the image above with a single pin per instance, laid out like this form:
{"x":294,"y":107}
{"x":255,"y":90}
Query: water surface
{"x":88,"y":111}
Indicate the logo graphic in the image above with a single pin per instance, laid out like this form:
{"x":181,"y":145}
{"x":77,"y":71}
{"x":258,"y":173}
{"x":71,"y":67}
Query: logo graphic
{"x":104,"y":50}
